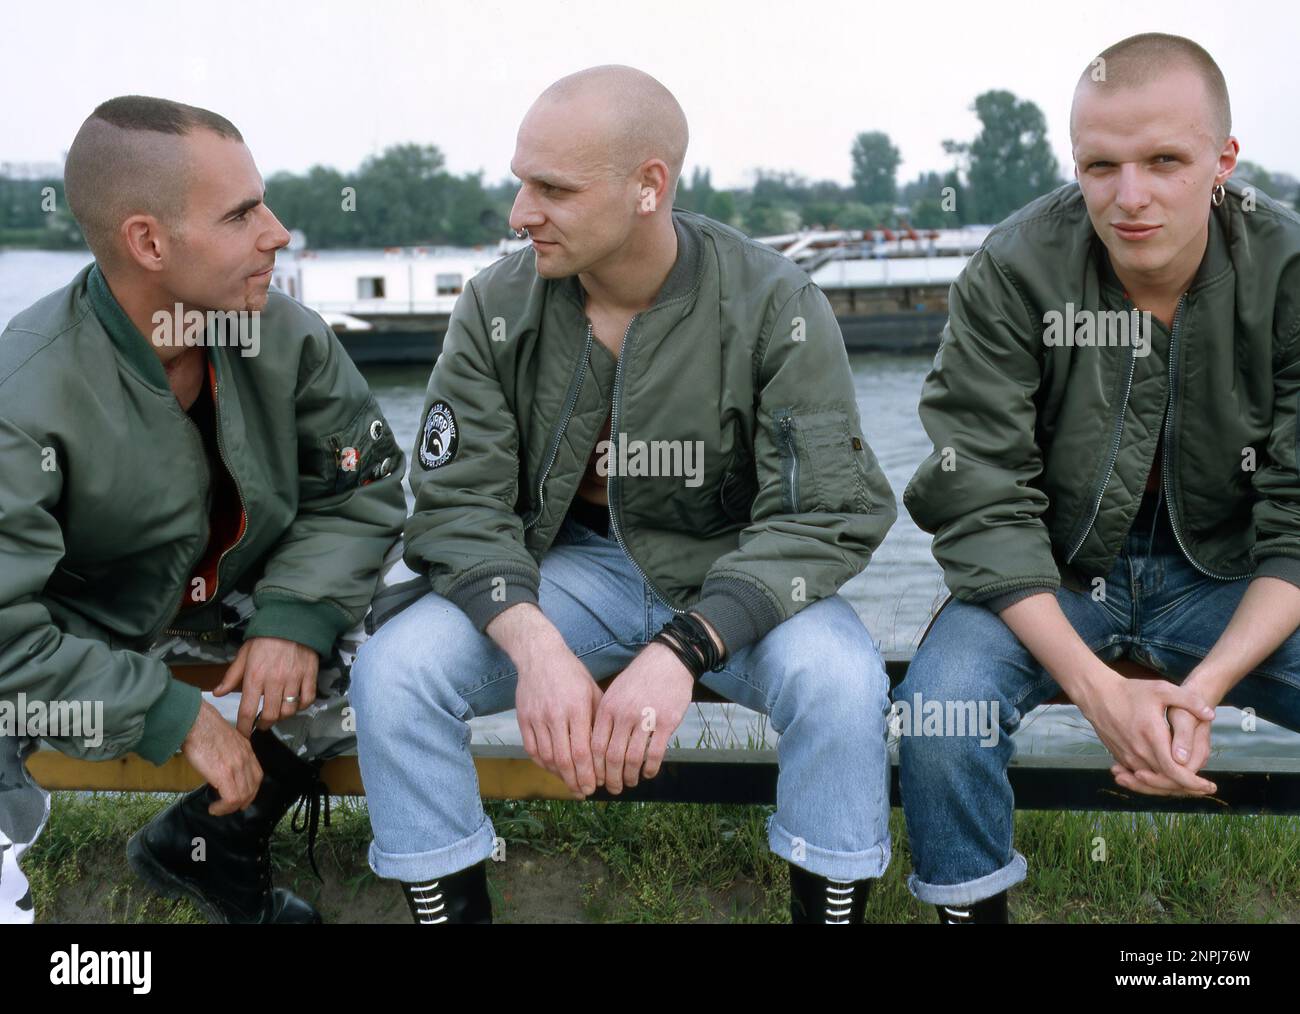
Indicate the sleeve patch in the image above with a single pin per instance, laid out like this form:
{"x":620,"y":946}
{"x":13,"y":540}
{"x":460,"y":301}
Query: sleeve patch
{"x":440,"y":438}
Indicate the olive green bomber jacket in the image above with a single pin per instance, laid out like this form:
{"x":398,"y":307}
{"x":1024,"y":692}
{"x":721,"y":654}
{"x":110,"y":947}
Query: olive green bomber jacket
{"x":740,"y":356}
{"x":1042,"y":451}
{"x":104,"y":492}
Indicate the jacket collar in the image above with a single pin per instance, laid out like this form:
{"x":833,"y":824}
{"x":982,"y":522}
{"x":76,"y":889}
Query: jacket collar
{"x":681,"y":280}
{"x":131,"y":344}
{"x":686,"y":269}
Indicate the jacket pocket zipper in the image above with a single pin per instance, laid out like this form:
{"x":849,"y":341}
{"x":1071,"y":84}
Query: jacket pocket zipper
{"x":788,"y":439}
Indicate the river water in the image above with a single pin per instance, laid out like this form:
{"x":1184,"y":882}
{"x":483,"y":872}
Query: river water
{"x":894,"y":596}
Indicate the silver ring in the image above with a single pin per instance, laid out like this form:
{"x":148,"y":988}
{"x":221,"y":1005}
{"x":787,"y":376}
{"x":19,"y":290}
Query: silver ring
{"x":291,"y":700}
{"x":521,"y":233}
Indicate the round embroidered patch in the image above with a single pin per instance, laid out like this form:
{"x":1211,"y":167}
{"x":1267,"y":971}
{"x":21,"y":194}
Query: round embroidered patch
{"x":441,"y":437}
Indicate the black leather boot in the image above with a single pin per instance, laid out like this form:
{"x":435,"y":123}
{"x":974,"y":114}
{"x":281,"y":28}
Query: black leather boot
{"x":989,"y":911}
{"x":460,"y":897}
{"x":816,"y":899}
{"x":232,"y":881}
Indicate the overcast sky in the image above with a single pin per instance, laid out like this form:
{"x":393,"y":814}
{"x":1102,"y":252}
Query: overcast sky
{"x":781,"y":85}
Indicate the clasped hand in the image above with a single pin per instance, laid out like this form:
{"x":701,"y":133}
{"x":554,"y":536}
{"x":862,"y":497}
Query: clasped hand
{"x":614,"y":738}
{"x":1158,"y":734}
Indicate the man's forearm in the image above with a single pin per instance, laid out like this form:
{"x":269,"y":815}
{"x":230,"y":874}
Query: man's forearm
{"x":1266,"y":616}
{"x":1045,"y":632}
{"x":522,"y":631}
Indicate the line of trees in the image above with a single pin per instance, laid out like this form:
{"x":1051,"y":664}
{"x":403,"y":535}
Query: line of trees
{"x":33,"y":213}
{"x":406,"y":197}
{"x":1006,"y":165}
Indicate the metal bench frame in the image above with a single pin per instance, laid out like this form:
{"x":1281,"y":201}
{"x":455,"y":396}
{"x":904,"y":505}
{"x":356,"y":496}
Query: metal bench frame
{"x":1041,"y":782}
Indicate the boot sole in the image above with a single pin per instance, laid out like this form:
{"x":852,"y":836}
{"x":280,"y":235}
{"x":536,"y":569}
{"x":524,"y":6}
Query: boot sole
{"x":164,"y":881}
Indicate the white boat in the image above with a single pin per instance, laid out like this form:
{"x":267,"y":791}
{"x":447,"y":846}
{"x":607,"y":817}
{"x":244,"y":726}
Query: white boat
{"x":888,"y":288}
{"x":361,"y":289}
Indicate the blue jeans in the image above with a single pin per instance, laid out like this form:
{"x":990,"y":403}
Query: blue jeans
{"x":425,"y":673}
{"x":1156,"y":608}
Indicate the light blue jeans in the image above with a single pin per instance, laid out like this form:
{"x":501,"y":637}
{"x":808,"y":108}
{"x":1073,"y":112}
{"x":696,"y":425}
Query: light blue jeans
{"x":1157,"y":609}
{"x":426,"y":672}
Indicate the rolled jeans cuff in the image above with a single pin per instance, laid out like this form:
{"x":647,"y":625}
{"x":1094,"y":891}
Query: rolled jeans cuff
{"x":863,"y":865}
{"x":417,"y":867}
{"x":972,"y":890}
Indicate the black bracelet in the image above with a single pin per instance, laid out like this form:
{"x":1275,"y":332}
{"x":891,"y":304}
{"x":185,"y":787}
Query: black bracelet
{"x":690,"y":641}
{"x":699,"y":637}
{"x":685,"y":655}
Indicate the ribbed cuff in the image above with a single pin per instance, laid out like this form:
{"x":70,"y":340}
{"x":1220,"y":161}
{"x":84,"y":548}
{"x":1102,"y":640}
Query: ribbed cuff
{"x":168,"y":721}
{"x":740,"y":613}
{"x":1287,"y":568}
{"x":314,"y":624}
{"x":1000,"y":602}
{"x":485,"y":597}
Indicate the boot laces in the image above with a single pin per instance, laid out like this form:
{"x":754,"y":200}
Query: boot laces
{"x":427,"y":902}
{"x":839,"y":901}
{"x":310,"y":801}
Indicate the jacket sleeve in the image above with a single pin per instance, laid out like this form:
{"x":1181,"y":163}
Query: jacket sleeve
{"x":465,"y":534}
{"x":975,"y":491}
{"x":1277,"y":512}
{"x":823,"y":503}
{"x":319,"y":578}
{"x":140,"y":707}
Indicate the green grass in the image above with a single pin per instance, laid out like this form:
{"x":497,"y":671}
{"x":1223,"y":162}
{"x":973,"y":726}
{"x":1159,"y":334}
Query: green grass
{"x":660,"y":862}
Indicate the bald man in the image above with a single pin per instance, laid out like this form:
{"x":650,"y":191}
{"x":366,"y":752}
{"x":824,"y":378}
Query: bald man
{"x":1113,"y":409}
{"x":182,"y":498}
{"x":640,"y":457}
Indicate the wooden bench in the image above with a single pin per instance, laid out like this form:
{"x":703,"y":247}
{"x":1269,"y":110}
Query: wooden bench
{"x":1041,"y":782}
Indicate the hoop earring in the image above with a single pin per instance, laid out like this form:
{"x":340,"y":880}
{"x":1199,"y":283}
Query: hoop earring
{"x":1218,"y":194}
{"x":521,"y":233}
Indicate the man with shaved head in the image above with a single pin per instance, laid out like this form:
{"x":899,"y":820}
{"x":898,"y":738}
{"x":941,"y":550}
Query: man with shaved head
{"x":640,"y":458}
{"x":222,"y":492}
{"x":1113,"y":409}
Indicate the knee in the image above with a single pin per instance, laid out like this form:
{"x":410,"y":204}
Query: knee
{"x":404,"y":665}
{"x":833,"y":665}
{"x":957,"y":659}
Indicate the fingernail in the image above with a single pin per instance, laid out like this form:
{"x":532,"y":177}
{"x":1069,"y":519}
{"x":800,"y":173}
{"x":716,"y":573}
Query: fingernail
{"x":1182,"y":753}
